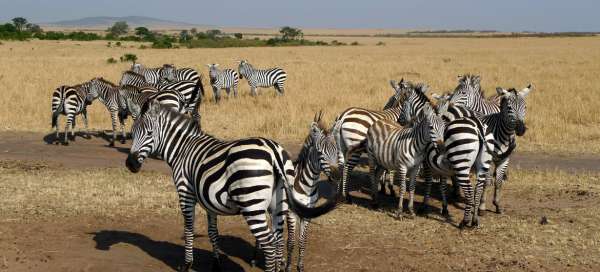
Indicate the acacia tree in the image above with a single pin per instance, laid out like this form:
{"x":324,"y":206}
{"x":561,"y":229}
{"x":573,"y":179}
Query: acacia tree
{"x":119,"y":28}
{"x":290,"y":33}
{"x":19,"y":23}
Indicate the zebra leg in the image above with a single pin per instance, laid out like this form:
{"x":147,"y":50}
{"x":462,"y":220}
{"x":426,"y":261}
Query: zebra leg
{"x":217,"y":93}
{"x":482,"y":179}
{"x":68,"y":126}
{"x":255,"y":260}
{"x":374,"y":170}
{"x":390,"y":183}
{"x":258,"y":224}
{"x":55,"y":127}
{"x":213,"y":234}
{"x":113,"y":116}
{"x":425,"y":208}
{"x":123,"y":133}
{"x":277,"y":221}
{"x":443,"y":186}
{"x":252,"y":91}
{"x":412,"y":175}
{"x":291,"y":227}
{"x":234,"y":90}
{"x":279,"y":89}
{"x":455,"y":193}
{"x":382,"y":182}
{"x":85,"y":122}
{"x":227,"y":90}
{"x":501,"y":176}
{"x":302,"y":242}
{"x":188,"y":206}
{"x":462,"y":177}
{"x":400,"y":176}
{"x":73,"y":126}
{"x":348,"y":167}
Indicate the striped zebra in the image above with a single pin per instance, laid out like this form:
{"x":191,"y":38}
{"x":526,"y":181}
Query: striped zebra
{"x":108,"y":94}
{"x":350,"y":131}
{"x":186,"y":74}
{"x":222,"y":79}
{"x":193,"y":91}
{"x":251,"y":177}
{"x":155,"y":75}
{"x":505,"y":126}
{"x":136,"y":99}
{"x":70,"y":101}
{"x":272,"y":77}
{"x":465,"y":147}
{"x":392,"y":147}
{"x":468,"y":93}
{"x":318,"y":154}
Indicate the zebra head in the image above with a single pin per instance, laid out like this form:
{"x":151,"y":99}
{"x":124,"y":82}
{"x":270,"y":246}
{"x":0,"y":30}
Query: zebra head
{"x":245,"y":69}
{"x":513,"y":107}
{"x":414,"y":101}
{"x":146,"y":136}
{"x":94,"y":89}
{"x":400,"y":90}
{"x":213,"y":72}
{"x":467,"y":91}
{"x":137,"y":68}
{"x":321,"y":149}
{"x":167,"y":72}
{"x":433,"y":125}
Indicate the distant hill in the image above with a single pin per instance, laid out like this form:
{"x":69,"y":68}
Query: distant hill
{"x":132,"y":21}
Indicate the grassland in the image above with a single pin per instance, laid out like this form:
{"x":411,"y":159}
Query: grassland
{"x":37,"y":193}
{"x":562,"y":111}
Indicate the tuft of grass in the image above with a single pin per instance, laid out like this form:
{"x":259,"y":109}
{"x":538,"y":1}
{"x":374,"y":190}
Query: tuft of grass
{"x":111,"y":60}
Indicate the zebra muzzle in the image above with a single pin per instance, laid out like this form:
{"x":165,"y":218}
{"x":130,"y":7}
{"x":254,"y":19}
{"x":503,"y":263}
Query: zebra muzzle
{"x":133,"y":163}
{"x":520,"y":128}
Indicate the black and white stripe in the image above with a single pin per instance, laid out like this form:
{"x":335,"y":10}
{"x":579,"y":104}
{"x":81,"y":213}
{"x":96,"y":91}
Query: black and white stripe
{"x":350,"y":131}
{"x":222,"y":79}
{"x":136,"y":99}
{"x":108,"y":94}
{"x":155,"y":75}
{"x":251,"y":177}
{"x":186,"y":74}
{"x":70,"y":101}
{"x":272,"y":77}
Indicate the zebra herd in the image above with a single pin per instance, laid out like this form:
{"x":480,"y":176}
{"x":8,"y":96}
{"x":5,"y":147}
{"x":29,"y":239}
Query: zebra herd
{"x":459,"y":133}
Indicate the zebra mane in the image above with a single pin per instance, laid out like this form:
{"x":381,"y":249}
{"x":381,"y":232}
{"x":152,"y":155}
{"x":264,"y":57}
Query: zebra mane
{"x":132,"y":73}
{"x":172,"y":114}
{"x":102,"y":80}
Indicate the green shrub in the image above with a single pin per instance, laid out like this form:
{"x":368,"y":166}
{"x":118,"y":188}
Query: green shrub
{"x":162,"y":43}
{"x":143,"y":46}
{"x":354,"y":43}
{"x":380,"y":43}
{"x":118,"y":44}
{"x":111,"y":60}
{"x":128,"y":57}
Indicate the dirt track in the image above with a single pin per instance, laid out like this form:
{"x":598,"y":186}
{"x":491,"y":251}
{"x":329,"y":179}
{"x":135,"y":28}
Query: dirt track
{"x":144,"y":242}
{"x":95,"y":152}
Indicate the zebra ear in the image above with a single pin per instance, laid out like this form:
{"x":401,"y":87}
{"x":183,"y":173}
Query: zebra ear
{"x":393,"y":83}
{"x":500,"y":90}
{"x":526,"y":90}
{"x":208,"y":65}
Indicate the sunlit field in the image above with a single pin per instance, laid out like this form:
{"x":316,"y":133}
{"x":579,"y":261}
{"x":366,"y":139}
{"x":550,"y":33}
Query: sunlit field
{"x":562,"y":116}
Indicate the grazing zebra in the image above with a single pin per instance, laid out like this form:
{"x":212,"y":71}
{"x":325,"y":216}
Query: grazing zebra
{"x":226,"y":79}
{"x":108,"y":94}
{"x":350,"y":131}
{"x":251,"y":177}
{"x":155,"y":75}
{"x":193,"y":91}
{"x":274,"y":77}
{"x":505,"y":126}
{"x":136,"y":99}
{"x":70,"y":101}
{"x":392,"y":147}
{"x":318,"y":154}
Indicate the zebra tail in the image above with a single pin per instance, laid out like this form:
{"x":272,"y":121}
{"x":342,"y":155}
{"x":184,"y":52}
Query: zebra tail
{"x":336,"y":130}
{"x":296,"y":206}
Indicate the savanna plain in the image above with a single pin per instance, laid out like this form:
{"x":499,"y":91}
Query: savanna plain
{"x":54,"y":217}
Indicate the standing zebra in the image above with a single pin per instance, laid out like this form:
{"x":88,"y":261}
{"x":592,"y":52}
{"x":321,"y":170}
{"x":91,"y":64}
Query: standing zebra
{"x":505,"y":126}
{"x":318,"y":154}
{"x":136,"y":99}
{"x":155,"y":75}
{"x":70,"y":101}
{"x":226,"y":79}
{"x":392,"y":147}
{"x":350,"y":131}
{"x":193,"y":91}
{"x":108,"y":94}
{"x":262,"y":78}
{"x":251,"y":177}
{"x":468,"y":93}
{"x":186,"y":74}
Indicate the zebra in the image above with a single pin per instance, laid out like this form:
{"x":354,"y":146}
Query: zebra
{"x":262,"y":78}
{"x":136,"y":99}
{"x":390,"y":146}
{"x":193,"y":91}
{"x":108,"y":94}
{"x":350,"y":131}
{"x":251,"y":177}
{"x":505,"y":126}
{"x":70,"y":101}
{"x":222,"y":79}
{"x":186,"y":74}
{"x":155,"y":75}
{"x":468,"y":93}
{"x":318,"y":154}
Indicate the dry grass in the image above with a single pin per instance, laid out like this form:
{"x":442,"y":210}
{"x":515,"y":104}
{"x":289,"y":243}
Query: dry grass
{"x":514,"y":241}
{"x":561,"y":115}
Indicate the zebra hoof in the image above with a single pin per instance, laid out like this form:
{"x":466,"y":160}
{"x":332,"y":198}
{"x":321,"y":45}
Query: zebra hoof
{"x":463,"y":224}
{"x":475,"y":223}
{"x":253,"y":262}
{"x":56,"y":142}
{"x":499,"y":210}
{"x":185,"y":267}
{"x":66,"y":143}
{"x":123,"y":141}
{"x":424,"y":210}
{"x":112,"y":144}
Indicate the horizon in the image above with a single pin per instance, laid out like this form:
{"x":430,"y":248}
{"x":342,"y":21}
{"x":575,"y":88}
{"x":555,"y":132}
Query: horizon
{"x":508,"y":16}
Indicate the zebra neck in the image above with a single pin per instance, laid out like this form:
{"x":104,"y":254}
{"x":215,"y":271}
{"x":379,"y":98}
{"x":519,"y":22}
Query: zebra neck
{"x":307,"y":176}
{"x":179,"y":134}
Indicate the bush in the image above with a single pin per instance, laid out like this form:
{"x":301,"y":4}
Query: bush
{"x":380,"y":43}
{"x":143,"y":46}
{"x":118,"y":44}
{"x":128,"y":57}
{"x":354,"y":43}
{"x":238,"y":35}
{"x":336,"y":43}
{"x":108,"y":44}
{"x":162,"y":43}
{"x":111,"y":60}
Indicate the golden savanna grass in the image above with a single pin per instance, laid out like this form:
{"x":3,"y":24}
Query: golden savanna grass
{"x":562,"y":115}
{"x":515,"y":241}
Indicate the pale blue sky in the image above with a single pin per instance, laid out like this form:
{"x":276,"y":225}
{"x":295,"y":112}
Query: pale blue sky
{"x":507,"y":15}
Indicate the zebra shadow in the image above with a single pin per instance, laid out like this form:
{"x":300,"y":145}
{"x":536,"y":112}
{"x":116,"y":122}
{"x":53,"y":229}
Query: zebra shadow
{"x":360,"y":190}
{"x":51,"y":137}
{"x":172,"y":254}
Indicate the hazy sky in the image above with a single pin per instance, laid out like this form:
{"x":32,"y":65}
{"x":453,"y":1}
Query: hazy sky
{"x":507,"y":15}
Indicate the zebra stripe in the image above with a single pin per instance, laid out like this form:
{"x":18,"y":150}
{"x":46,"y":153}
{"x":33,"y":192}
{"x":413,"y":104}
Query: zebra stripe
{"x":272,"y":77}
{"x":468,"y":93}
{"x":133,"y":79}
{"x":155,"y":75}
{"x":350,"y":131}
{"x":108,"y":94}
{"x":226,"y":79}
{"x":136,"y":99}
{"x":70,"y":101}
{"x":247,"y":176}
{"x":186,"y":74}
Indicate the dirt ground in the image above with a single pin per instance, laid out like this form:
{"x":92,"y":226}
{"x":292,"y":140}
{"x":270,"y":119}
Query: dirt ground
{"x":352,"y":238}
